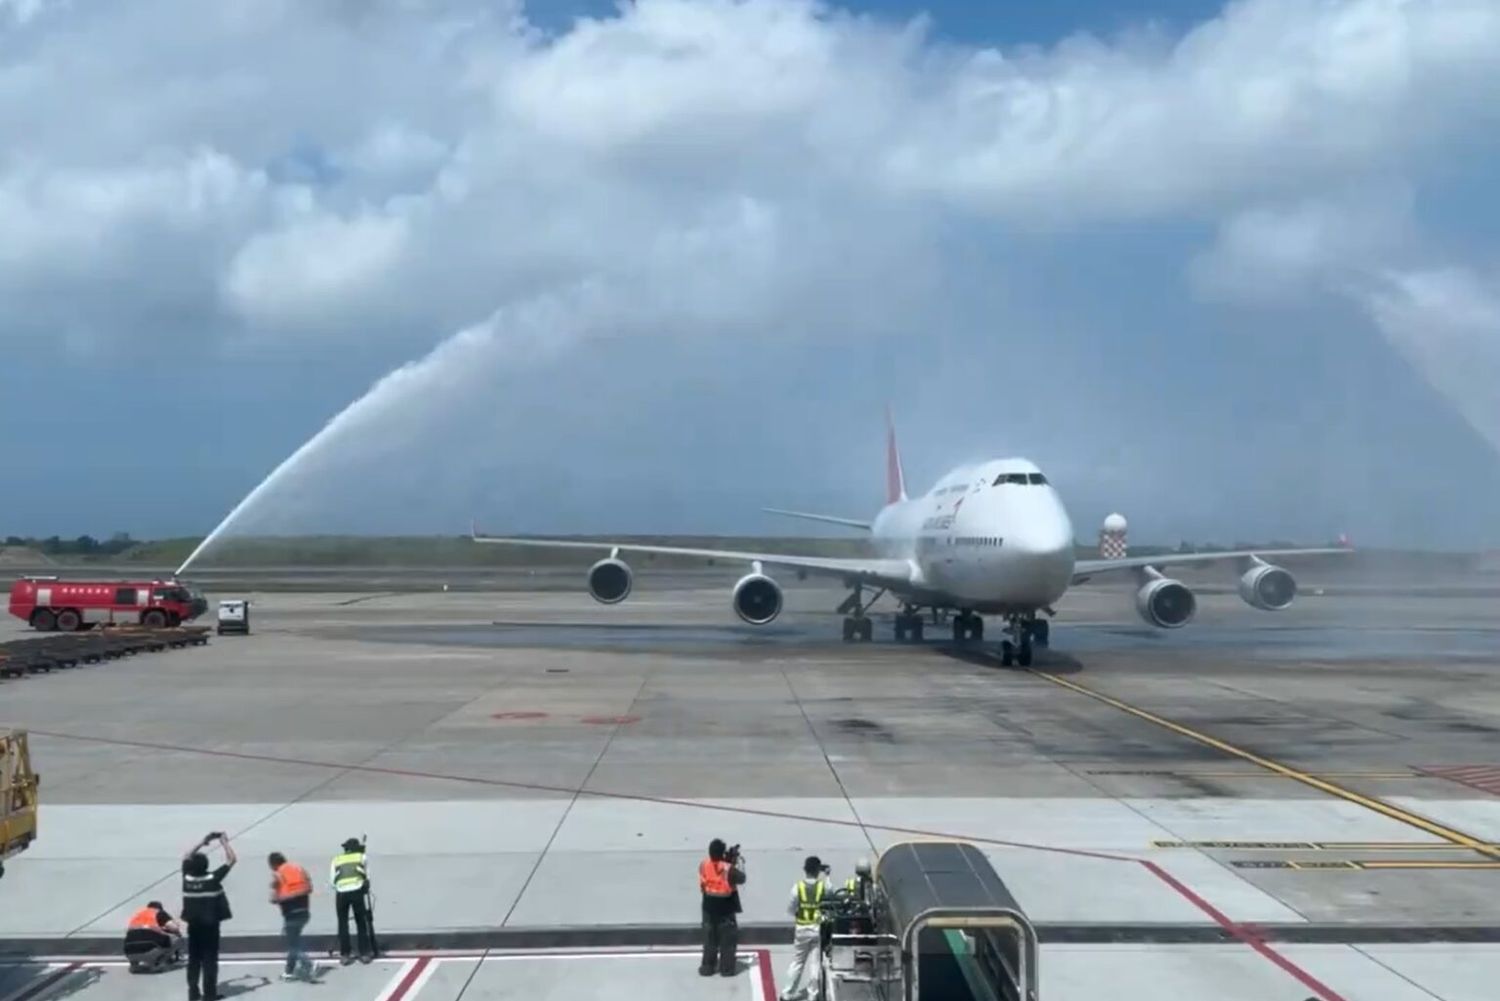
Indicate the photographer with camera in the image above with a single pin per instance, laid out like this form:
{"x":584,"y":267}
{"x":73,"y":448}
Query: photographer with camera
{"x":204,"y":908}
{"x":807,"y":940}
{"x":719,"y":877}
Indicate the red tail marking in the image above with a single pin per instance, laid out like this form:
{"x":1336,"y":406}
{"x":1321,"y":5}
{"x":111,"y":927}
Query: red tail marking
{"x":895,"y":480}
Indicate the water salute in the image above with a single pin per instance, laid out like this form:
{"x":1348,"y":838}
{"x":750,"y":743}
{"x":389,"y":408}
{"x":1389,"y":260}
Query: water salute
{"x":751,"y":500}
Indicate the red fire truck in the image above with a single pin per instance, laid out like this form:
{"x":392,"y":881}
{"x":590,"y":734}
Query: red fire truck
{"x":48,"y":603}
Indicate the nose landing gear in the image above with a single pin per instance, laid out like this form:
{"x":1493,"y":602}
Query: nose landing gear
{"x":1023,"y":631}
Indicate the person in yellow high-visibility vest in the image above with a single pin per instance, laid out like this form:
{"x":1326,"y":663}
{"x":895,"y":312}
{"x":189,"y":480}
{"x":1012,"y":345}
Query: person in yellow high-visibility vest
{"x":807,"y":897}
{"x":349,"y":872}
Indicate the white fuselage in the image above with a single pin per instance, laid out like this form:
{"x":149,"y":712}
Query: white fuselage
{"x":993,"y":537}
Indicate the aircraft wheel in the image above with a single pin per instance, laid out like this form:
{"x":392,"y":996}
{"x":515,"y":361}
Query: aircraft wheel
{"x":866,"y":629}
{"x":1041,"y":632}
{"x":1007,"y":653}
{"x":1023,"y":657}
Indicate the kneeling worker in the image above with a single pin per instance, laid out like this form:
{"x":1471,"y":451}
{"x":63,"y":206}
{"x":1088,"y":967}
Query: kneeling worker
{"x":350,"y":876}
{"x":153,"y":941}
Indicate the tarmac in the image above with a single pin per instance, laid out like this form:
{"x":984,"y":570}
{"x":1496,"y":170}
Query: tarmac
{"x":1261,"y":805}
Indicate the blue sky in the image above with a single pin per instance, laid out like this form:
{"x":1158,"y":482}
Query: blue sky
{"x":1238,"y":279}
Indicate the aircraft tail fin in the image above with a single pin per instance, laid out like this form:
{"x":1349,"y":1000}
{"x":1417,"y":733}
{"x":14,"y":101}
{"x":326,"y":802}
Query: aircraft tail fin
{"x":895,"y":478}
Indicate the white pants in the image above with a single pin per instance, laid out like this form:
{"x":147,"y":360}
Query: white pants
{"x":806,"y":957}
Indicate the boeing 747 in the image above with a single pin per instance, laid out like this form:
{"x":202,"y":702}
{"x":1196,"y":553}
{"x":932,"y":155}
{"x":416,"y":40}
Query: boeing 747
{"x":987,"y":539}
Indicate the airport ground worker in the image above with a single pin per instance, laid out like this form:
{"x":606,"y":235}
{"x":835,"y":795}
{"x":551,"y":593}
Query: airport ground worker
{"x":291,"y":890}
{"x":350,"y":875}
{"x":719,"y":875}
{"x":204,"y":908}
{"x":153,"y":941}
{"x":807,"y":940}
{"x":858,"y":885}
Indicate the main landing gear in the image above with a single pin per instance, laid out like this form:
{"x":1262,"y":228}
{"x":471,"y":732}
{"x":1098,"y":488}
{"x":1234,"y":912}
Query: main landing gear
{"x":1023,"y":631}
{"x":967,"y":626}
{"x":857,"y":625}
{"x":908,"y":625}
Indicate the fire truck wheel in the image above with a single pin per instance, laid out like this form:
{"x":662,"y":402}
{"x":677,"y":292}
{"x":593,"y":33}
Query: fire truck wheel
{"x":43,"y":620}
{"x":155,"y":618}
{"x":68,"y":620}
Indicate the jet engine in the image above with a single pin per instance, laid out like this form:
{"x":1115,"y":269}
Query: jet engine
{"x":1267,"y":587}
{"x":757,"y":599}
{"x":610,"y":580}
{"x":1165,"y":603}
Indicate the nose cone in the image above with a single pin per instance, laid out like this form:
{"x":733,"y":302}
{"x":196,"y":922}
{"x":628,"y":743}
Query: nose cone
{"x":1040,"y":553}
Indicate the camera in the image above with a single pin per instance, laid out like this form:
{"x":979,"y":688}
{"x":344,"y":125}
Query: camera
{"x":214,"y":836}
{"x":732,"y":854}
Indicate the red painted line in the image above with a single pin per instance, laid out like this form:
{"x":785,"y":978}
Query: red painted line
{"x":46,"y":983}
{"x":411,"y":978}
{"x":767,"y":979}
{"x":1245,"y":934}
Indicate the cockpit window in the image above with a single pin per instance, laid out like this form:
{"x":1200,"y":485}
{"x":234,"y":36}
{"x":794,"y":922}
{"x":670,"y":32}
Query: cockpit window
{"x":1010,"y":478}
{"x":1036,"y":478}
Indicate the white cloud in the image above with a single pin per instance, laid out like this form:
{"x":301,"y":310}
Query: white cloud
{"x":766,"y":170}
{"x":1282,"y":253}
{"x":292,"y":276}
{"x":469,"y":160}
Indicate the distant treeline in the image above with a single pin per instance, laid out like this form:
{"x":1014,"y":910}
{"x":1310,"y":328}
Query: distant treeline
{"x":84,"y":545}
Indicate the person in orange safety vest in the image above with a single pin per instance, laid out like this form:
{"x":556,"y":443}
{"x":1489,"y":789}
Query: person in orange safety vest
{"x":153,"y":941}
{"x":291,"y":890}
{"x":719,"y":877}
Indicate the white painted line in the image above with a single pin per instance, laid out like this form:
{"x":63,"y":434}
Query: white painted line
{"x":502,"y":957}
{"x":415,"y":990}
{"x":394,"y":984}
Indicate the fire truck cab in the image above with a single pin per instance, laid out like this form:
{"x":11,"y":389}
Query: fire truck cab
{"x":51,"y":604}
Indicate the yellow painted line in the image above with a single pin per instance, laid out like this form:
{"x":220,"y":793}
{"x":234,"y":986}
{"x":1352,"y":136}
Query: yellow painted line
{"x":1322,"y":785}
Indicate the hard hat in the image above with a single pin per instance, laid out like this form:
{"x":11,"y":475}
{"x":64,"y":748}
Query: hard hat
{"x":862,"y":867}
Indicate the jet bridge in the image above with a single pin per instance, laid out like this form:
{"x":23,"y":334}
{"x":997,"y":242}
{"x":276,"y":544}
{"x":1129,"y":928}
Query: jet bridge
{"x":943,"y":926}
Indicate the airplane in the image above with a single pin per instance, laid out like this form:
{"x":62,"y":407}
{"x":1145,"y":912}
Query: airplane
{"x":992,"y":538}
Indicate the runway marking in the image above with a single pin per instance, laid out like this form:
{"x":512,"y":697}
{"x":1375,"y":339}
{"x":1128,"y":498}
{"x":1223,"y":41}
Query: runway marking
{"x":1418,"y":821}
{"x":1485,"y":778}
{"x":1168,"y":773}
{"x":1361,"y":864}
{"x":1319,"y":846}
{"x":1247,"y":934}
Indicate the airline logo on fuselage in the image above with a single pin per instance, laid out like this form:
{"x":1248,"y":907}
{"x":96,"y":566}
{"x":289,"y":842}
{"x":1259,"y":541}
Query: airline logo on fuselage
{"x":938,"y":524}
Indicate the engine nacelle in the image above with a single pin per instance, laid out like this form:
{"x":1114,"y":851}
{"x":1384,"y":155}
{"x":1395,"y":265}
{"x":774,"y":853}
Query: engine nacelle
{"x":610,"y":581}
{"x":1267,"y":587}
{"x":757,"y":599}
{"x":1166,"y":603}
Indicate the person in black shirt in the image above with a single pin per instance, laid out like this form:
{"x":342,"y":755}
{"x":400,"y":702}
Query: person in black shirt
{"x":204,"y":907}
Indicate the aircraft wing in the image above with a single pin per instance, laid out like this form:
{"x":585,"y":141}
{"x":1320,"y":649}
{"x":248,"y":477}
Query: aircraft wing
{"x":1088,"y":568}
{"x":882,"y":572}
